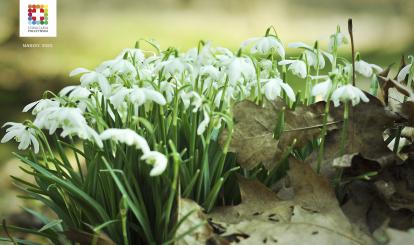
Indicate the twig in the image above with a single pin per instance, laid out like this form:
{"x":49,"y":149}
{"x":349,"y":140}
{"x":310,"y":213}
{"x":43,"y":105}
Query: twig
{"x":312,"y":127}
{"x":353,"y":49}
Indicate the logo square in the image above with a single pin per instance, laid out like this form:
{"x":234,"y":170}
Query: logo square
{"x":38,"y":18}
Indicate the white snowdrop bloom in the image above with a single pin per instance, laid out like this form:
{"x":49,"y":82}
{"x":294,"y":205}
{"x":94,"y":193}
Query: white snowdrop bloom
{"x":167,"y":88}
{"x":91,"y":77}
{"x":274,"y":86}
{"x":315,"y":60}
{"x":322,"y":89}
{"x":205,"y":55}
{"x":69,"y":119}
{"x":210,"y":71}
{"x":190,"y":56}
{"x":120,"y":67}
{"x":217,"y":99}
{"x":230,"y":92}
{"x":203,"y":124}
{"x":75,"y":92}
{"x":157,"y":160}
{"x":191,"y":98}
{"x":173,"y":66}
{"x":45,"y":119}
{"x":366,"y":69}
{"x":126,"y":136}
{"x":266,"y":67}
{"x":224,"y":56}
{"x":310,"y":54}
{"x":72,"y":122}
{"x":405,"y":71}
{"x":25,"y":136}
{"x":297,"y":67}
{"x":133,"y":55}
{"x":139,"y":96}
{"x":41,"y":105}
{"x":265,"y":45}
{"x":299,"y":45}
{"x":340,"y":40}
{"x":118,"y":98}
{"x":241,"y":68}
{"x":348,"y":93}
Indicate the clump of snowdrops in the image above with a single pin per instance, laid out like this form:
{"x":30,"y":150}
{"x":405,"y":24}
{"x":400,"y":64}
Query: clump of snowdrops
{"x":111,"y":156}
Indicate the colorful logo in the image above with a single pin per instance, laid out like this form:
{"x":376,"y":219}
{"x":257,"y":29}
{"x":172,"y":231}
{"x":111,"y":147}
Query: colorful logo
{"x":38,"y":14}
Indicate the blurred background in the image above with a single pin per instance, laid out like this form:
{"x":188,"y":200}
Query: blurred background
{"x":90,"y":32}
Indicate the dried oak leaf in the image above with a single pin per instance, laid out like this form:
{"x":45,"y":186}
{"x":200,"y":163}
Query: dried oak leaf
{"x":193,"y":218}
{"x":313,"y":216}
{"x":394,"y":94}
{"x":385,"y":198}
{"x":253,"y":136}
{"x":366,"y":124}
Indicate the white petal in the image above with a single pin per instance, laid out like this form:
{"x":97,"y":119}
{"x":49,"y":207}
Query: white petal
{"x":35,"y":144}
{"x":203,"y":125}
{"x":299,"y":45}
{"x":66,"y":90}
{"x":286,"y":62}
{"x":78,"y":71}
{"x":155,"y":96}
{"x":289,"y":91}
{"x":404,"y":73}
{"x":158,"y":160}
{"x":30,"y":106}
{"x":8,"y":136}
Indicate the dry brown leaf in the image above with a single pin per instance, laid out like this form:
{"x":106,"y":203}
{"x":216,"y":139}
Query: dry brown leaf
{"x":253,"y":139}
{"x":367,"y":122}
{"x":194,"y":218}
{"x":312,"y":217}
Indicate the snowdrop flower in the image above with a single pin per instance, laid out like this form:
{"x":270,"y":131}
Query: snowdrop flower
{"x":126,"y":136}
{"x":265,"y":45}
{"x":173,"y":66}
{"x":139,"y":96}
{"x":157,"y":160}
{"x":230,"y":92}
{"x":203,"y":125}
{"x":210,"y":71}
{"x":297,"y":67}
{"x":118,"y":98}
{"x":366,"y":69}
{"x":310,"y":54}
{"x":120,"y":67}
{"x":192,"y":98}
{"x":134,"y":55}
{"x":167,"y":88}
{"x":299,"y":45}
{"x":190,"y":56}
{"x":205,"y":55}
{"x":22,"y":134}
{"x":322,"y":89}
{"x":91,"y":77}
{"x":274,"y":86}
{"x":405,"y":71}
{"x":224,"y":56}
{"x":41,"y":105}
{"x":240,"y":67}
{"x":315,"y":60}
{"x":340,"y":40}
{"x":348,"y":93}
{"x":75,"y":92}
{"x":69,"y":119}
